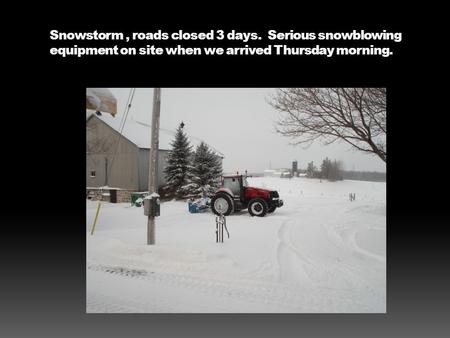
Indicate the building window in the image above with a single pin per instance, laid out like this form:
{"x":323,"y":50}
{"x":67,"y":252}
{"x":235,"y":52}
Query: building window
{"x":93,"y":173}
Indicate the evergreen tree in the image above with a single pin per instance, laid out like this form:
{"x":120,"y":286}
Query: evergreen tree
{"x":339,"y":170}
{"x":177,"y":164}
{"x":325,"y":168}
{"x":331,"y":170}
{"x":204,"y":173}
{"x":311,"y":170}
{"x":335,"y":171}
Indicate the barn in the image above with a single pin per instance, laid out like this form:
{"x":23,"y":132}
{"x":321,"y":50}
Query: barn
{"x":117,"y":164}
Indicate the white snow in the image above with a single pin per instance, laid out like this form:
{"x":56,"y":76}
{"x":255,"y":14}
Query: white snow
{"x":318,"y":253}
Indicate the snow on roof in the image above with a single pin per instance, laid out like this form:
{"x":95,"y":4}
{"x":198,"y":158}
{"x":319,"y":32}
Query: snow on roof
{"x":101,"y":99}
{"x":139,"y":133}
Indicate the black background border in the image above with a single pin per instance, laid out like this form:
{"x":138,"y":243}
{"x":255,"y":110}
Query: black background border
{"x":43,"y":239}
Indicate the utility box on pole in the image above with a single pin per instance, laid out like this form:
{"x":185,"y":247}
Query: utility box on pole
{"x":152,"y":205}
{"x":152,"y":210}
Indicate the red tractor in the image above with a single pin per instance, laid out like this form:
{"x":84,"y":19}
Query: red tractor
{"x":235,"y":195}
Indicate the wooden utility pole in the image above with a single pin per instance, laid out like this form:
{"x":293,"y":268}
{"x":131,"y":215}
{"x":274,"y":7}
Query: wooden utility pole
{"x":153,"y":165}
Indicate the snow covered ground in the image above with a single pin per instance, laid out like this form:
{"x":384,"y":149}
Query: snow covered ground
{"x":318,"y":253}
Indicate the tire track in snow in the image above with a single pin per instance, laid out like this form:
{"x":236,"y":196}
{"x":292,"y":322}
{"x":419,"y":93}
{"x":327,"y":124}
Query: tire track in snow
{"x":291,"y":262}
{"x":253,"y":292}
{"x":280,"y":297}
{"x":352,"y":269}
{"x":296,"y":268}
{"x":346,"y":235}
{"x":357,"y":248}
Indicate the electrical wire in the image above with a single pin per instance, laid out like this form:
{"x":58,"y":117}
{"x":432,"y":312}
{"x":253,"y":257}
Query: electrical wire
{"x":121,"y":127}
{"x":174,"y":133}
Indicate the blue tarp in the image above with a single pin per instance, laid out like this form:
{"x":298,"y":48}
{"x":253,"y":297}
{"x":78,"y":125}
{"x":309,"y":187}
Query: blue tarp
{"x":201,"y":205}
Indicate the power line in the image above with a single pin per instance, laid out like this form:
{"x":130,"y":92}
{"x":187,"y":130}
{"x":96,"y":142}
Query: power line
{"x":171,"y":132}
{"x":121,"y":127}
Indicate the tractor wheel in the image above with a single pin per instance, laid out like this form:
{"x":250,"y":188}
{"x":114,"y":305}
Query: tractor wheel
{"x":271,"y":209}
{"x":257,"y":207}
{"x":222,"y":204}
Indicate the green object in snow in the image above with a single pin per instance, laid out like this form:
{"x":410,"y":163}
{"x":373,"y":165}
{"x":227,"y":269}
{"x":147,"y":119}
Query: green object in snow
{"x":137,"y":198}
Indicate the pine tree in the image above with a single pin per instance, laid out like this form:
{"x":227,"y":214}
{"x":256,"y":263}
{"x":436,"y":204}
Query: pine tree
{"x":204,"y":173}
{"x":337,"y":170}
{"x":331,"y":170}
{"x":311,"y":170}
{"x":178,"y":161}
{"x":333,"y":174}
{"x":325,"y":168}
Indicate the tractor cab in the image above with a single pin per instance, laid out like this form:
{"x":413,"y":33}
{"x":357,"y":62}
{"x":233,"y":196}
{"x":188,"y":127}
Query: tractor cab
{"x":236,"y":184}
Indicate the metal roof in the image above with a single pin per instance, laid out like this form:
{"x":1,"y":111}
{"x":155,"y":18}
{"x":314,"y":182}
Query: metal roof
{"x":140,"y":133}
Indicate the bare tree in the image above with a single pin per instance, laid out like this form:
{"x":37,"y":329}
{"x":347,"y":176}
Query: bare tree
{"x":354,"y":115}
{"x":98,"y":148}
{"x":94,"y":143}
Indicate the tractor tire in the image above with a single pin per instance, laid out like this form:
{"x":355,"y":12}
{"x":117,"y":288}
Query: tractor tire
{"x":257,"y":207}
{"x":271,"y":209}
{"x":222,"y":203}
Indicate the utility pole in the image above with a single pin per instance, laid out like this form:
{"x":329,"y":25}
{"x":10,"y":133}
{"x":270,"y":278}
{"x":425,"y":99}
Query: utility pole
{"x":153,"y":165}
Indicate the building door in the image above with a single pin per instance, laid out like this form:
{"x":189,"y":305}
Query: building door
{"x":113,"y":196}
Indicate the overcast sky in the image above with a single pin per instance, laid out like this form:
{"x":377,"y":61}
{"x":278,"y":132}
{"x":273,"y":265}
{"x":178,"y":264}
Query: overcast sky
{"x":239,"y":123}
